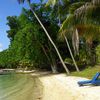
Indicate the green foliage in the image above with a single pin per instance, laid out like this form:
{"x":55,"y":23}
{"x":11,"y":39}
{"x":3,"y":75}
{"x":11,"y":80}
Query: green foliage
{"x":29,"y":46}
{"x":88,"y":72}
{"x":98,"y":53}
{"x":82,"y":56}
{"x":51,"y":2}
{"x":14,"y":26}
{"x":75,"y":6}
{"x":25,"y":64}
{"x":68,"y":61}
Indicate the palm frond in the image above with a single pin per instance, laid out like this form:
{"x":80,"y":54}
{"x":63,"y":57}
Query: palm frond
{"x":75,"y":6}
{"x":96,"y":2}
{"x":67,"y":23}
{"x":66,"y":28}
{"x":81,"y":10}
{"x":51,"y":2}
{"x":86,"y":8}
{"x":75,"y":41}
{"x":88,"y":31}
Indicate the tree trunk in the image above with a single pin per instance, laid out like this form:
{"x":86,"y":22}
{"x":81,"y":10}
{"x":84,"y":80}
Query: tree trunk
{"x":50,"y":39}
{"x":67,"y":41}
{"x":71,"y":54}
{"x":53,"y":65}
{"x":54,"y":68}
{"x":75,"y":42}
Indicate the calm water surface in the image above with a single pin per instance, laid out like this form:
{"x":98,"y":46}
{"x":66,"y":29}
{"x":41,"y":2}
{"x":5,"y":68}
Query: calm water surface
{"x":16,"y":87}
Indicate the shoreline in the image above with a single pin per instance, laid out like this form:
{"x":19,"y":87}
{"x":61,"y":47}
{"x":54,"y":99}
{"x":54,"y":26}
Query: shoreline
{"x":50,"y":87}
{"x":63,"y":87}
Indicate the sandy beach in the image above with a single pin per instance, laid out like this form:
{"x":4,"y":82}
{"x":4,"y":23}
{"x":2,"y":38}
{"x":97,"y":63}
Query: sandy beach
{"x":63,"y":87}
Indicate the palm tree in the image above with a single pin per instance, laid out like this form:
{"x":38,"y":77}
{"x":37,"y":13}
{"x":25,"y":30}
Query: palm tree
{"x":28,"y":1}
{"x":53,"y":3}
{"x":86,"y":19}
{"x":88,"y":7}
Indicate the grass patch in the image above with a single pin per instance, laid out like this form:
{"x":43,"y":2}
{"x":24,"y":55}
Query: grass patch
{"x":88,"y":72}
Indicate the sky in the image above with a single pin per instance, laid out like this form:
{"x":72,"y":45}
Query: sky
{"x":8,"y":8}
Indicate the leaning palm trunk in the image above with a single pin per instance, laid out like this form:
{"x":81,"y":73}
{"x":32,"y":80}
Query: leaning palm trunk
{"x":49,"y":39}
{"x":76,"y":49}
{"x":71,"y":54}
{"x":67,"y":42}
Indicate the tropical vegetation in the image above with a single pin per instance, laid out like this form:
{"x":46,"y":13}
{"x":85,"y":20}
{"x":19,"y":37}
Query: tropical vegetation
{"x":54,"y":35}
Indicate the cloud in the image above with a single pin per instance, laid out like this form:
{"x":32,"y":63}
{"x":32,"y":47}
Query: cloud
{"x":0,"y":45}
{"x":1,"y":49}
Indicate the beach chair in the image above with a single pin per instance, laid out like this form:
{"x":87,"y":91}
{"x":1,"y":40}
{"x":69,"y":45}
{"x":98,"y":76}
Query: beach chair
{"x":95,"y":81}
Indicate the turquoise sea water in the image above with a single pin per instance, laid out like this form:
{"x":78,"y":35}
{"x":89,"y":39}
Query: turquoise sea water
{"x":16,"y":87}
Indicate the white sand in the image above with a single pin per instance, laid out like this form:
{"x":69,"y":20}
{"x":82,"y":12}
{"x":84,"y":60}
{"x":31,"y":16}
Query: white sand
{"x":63,"y":87}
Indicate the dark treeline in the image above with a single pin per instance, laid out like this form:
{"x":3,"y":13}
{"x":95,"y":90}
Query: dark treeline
{"x":30,"y":48}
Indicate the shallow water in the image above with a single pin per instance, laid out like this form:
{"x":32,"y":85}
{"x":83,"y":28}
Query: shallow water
{"x":16,"y":87}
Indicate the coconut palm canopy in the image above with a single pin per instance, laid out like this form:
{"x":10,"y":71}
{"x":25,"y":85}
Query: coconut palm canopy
{"x":86,"y":19}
